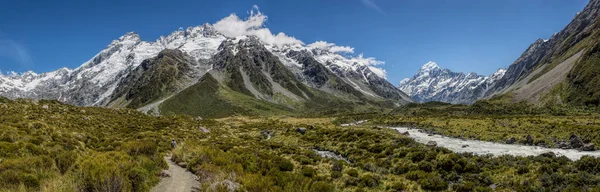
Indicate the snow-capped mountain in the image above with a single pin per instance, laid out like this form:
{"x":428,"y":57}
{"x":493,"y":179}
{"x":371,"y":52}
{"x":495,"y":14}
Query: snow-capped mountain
{"x":106,"y":79}
{"x":432,"y":83}
{"x":95,"y":80}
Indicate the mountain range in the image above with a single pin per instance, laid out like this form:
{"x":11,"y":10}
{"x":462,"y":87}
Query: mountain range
{"x":201,"y":71}
{"x":432,"y":83}
{"x":212,"y":70}
{"x":560,"y":70}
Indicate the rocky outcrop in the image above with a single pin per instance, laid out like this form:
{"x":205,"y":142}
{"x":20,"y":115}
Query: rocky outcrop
{"x":431,"y":143}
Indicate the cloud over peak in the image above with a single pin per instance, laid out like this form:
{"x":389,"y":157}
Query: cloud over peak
{"x":232,"y":26}
{"x":331,"y":47}
{"x":254,"y":25}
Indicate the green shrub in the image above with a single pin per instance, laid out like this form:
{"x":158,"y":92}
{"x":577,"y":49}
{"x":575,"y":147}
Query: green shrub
{"x":397,"y":186}
{"x":135,"y":148}
{"x":351,"y":181}
{"x":308,"y":172}
{"x":65,"y":160}
{"x":139,"y":179}
{"x":588,"y":164}
{"x":465,"y":186}
{"x":434,"y":183}
{"x":105,"y":172}
{"x":285,"y":165}
{"x":369,"y":180}
{"x":352,"y":172}
{"x":415,"y":175}
{"x":337,"y":166}
{"x":322,"y":186}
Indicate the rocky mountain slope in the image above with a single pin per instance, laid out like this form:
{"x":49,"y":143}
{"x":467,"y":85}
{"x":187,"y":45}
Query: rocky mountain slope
{"x":558,"y":70}
{"x":432,"y":83}
{"x":139,"y":74}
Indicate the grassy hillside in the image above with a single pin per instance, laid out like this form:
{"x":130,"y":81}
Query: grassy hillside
{"x":47,"y":146}
{"x":154,"y":79}
{"x":208,"y":98}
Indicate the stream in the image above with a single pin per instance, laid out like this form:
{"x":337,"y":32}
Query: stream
{"x":495,"y":149}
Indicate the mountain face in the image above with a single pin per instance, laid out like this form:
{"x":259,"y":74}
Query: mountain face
{"x":138,"y":74}
{"x":432,"y":83}
{"x":562,"y":69}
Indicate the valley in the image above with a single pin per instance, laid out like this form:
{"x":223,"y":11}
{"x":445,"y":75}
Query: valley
{"x":49,"y":146}
{"x":230,"y":106}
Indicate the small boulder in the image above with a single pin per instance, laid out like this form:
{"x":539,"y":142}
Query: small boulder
{"x":548,"y":154}
{"x":406,"y":133}
{"x":301,"y":130}
{"x":465,"y":146}
{"x":204,"y":129}
{"x":45,"y":107}
{"x":182,"y":164}
{"x":576,"y":141}
{"x":267,"y":134}
{"x":562,"y":145}
{"x":512,"y":140}
{"x":431,"y":143}
{"x":165,"y":173}
{"x":529,"y":140}
{"x":588,"y":147}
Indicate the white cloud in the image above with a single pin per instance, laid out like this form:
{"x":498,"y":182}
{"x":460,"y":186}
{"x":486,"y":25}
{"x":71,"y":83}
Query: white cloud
{"x":372,"y":5}
{"x":233,"y":26}
{"x":370,"y":61}
{"x":324,"y":45}
{"x":342,"y":49}
{"x":379,"y":72}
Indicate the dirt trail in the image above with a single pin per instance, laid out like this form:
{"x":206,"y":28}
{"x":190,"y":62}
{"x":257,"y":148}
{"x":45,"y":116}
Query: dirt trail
{"x":181,"y":180}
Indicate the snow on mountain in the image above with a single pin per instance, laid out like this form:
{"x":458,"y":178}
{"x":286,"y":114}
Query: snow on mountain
{"x":95,"y":80}
{"x":432,"y":83}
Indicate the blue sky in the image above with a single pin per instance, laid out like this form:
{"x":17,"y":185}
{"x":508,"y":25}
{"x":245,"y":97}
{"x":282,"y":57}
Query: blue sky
{"x":462,"y":35}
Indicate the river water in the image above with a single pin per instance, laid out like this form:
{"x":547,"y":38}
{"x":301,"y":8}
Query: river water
{"x":485,"y":147}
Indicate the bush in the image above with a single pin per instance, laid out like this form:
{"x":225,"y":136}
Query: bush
{"x":139,"y":179}
{"x":337,"y":166}
{"x":465,"y":186}
{"x":415,"y":175}
{"x":352,"y":173}
{"x":65,"y":160}
{"x":105,"y":172}
{"x":351,"y":181}
{"x":522,"y":169}
{"x":588,"y":164}
{"x":309,"y":172}
{"x":322,"y":186}
{"x":369,"y":180}
{"x":336,"y":174}
{"x":136,"y":148}
{"x":397,"y":186}
{"x":434,"y":183}
{"x":285,"y":165}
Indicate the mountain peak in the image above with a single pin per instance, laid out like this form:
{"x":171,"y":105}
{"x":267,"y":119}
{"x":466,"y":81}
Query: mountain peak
{"x":430,"y":66}
{"x":130,"y":36}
